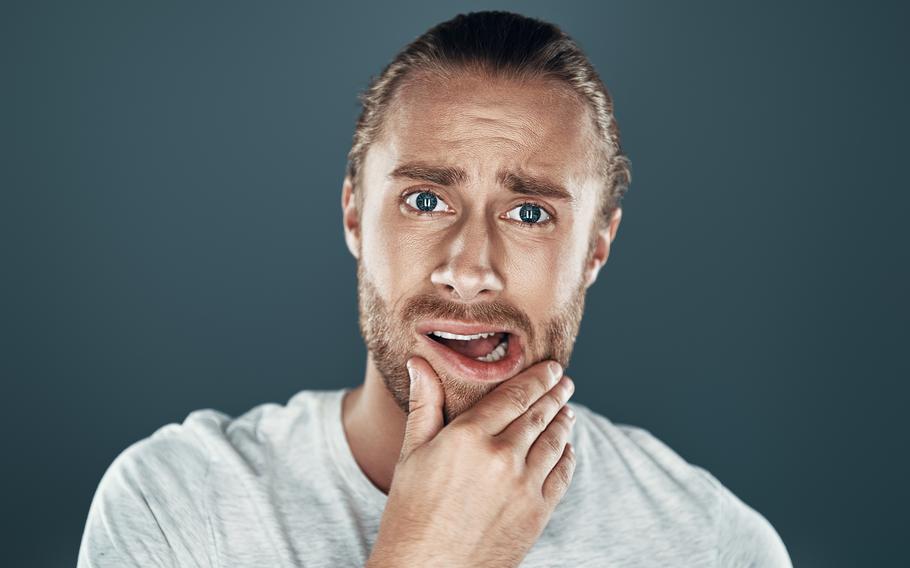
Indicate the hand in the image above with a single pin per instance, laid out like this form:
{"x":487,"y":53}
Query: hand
{"x":480,"y":490}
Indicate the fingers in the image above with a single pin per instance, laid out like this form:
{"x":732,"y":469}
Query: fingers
{"x":559,"y":479}
{"x":549,"y":446}
{"x":512,"y":398}
{"x":425,"y":418}
{"x":525,"y":429}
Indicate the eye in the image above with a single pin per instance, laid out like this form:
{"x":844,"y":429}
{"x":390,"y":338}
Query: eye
{"x":426,"y":202}
{"x":529,"y":214}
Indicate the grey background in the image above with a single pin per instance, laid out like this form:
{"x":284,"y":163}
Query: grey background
{"x":171,"y":240}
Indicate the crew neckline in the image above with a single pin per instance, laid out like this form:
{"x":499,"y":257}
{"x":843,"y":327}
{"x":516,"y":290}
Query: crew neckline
{"x":340,"y":451}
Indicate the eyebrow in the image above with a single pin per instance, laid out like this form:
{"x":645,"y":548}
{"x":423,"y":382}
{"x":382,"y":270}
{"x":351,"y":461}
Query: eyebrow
{"x":513,"y":181}
{"x":440,"y":175}
{"x":529,"y":185}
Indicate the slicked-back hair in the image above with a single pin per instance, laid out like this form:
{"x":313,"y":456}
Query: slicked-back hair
{"x":500,"y":44}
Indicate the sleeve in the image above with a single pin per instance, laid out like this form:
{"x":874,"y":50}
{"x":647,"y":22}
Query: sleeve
{"x":149,"y":507}
{"x":745,"y":538}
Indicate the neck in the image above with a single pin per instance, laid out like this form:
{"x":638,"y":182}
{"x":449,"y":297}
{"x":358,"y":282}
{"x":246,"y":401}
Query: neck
{"x":374,"y":426}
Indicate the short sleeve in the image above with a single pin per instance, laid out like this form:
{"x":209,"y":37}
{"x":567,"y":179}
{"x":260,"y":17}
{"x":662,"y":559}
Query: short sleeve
{"x":745,"y":538}
{"x":149,"y":507}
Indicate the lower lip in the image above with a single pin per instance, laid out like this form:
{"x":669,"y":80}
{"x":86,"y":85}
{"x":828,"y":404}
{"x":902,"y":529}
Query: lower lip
{"x":464,"y":367}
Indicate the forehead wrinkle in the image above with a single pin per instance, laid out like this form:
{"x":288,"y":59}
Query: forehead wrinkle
{"x":497,"y":121}
{"x":493,"y":138}
{"x":502,"y":101}
{"x":485,"y":147}
{"x":549,"y":128}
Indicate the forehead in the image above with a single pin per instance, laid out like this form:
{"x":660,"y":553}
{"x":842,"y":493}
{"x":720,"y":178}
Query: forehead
{"x":482,"y":124}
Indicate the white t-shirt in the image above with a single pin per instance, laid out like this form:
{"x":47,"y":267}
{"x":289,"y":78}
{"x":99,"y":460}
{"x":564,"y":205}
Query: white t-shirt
{"x":279,"y":486}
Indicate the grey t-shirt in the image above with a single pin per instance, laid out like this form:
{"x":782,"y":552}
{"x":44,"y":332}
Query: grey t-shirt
{"x":279,"y":486}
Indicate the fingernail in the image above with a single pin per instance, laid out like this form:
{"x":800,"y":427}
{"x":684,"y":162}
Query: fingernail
{"x":555,"y":368}
{"x":570,"y":413}
{"x":412,"y":372}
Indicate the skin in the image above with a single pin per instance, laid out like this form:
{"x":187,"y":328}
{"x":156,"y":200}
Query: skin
{"x":471,"y":258}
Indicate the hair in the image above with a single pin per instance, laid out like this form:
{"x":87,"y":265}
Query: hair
{"x":500,"y":44}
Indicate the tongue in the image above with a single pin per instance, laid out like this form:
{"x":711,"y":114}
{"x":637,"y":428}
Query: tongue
{"x":473,"y":348}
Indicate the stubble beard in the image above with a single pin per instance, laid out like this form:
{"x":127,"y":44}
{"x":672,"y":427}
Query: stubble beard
{"x":391,"y":341}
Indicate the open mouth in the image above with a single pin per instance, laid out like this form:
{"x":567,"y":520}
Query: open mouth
{"x":488,"y":347}
{"x":473,"y":351}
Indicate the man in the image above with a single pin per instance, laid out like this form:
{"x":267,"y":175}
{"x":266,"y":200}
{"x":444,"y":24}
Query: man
{"x":481,"y":200}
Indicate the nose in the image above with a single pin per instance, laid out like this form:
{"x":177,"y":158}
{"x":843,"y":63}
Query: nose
{"x":468,"y":272}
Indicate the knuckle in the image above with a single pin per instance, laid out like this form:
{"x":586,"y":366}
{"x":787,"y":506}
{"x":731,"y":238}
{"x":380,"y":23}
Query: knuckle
{"x":560,"y":424}
{"x":537,"y":419}
{"x":563,"y":419}
{"x":503,"y":457}
{"x":468,"y":431}
{"x":416,"y":405}
{"x":562,"y":475}
{"x":517,"y":396}
{"x":402,"y":456}
{"x":553,"y":443}
{"x":555,"y":397}
{"x":531,"y":487}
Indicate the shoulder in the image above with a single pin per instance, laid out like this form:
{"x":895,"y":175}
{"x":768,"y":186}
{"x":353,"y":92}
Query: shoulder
{"x":149,"y":507}
{"x":152,"y":503}
{"x":743,"y":536}
{"x":174,"y":452}
{"x":180,"y":454}
{"x":628,"y":450}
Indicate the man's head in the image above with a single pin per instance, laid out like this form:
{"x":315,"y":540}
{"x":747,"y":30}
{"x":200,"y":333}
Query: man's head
{"x":482,"y":195}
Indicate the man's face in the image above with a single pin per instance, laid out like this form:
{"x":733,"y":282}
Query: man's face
{"x":477,"y":222}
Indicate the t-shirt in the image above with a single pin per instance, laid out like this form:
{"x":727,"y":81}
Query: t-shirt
{"x":279,"y":486}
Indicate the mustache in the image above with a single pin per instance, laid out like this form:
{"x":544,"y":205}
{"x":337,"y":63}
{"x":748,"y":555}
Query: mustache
{"x":497,"y":313}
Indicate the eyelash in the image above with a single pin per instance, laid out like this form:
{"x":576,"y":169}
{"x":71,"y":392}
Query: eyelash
{"x":544,"y":224}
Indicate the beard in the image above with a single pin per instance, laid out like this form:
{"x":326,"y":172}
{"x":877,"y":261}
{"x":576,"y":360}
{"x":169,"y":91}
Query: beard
{"x":390,"y":337}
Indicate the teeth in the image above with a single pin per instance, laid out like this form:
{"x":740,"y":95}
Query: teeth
{"x":447,"y":335}
{"x":496,"y":354}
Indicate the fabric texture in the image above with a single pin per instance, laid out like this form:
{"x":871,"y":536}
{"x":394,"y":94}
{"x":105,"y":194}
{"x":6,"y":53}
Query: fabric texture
{"x":278,"y":486}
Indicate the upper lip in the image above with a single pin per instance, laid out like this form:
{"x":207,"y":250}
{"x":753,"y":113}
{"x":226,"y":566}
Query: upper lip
{"x":461,"y":327}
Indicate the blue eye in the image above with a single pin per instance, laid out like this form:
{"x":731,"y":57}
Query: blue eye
{"x":426,"y":201}
{"x":529,"y":213}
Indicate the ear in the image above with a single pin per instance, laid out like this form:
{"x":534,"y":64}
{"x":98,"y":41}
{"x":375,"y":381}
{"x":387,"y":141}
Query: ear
{"x":605,"y":238}
{"x":350,"y":217}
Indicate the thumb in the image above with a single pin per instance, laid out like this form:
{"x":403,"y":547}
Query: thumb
{"x":425,"y":407}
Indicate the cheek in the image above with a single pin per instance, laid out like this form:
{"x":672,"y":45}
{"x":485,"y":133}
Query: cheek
{"x":398,"y":260}
{"x":541,"y":278}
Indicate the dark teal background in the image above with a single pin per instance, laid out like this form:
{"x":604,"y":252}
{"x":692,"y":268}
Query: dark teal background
{"x":171,"y":240}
